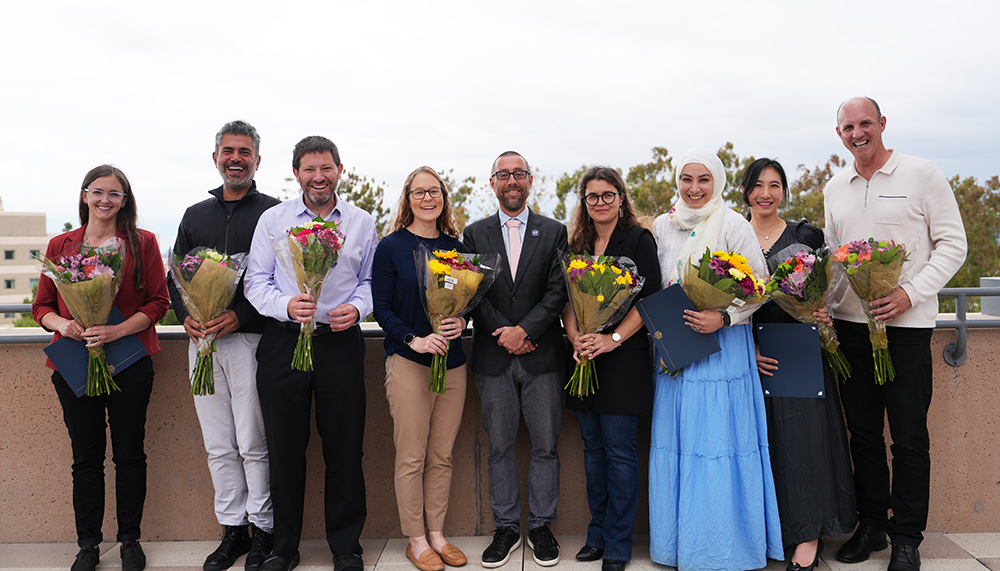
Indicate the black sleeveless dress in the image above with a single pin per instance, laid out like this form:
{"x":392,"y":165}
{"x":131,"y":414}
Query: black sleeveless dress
{"x":810,"y":457}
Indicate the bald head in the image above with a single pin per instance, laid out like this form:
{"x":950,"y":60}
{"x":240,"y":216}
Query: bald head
{"x":860,"y":100}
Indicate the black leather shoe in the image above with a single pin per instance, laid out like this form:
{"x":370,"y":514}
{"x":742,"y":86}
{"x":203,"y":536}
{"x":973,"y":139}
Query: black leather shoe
{"x":87,"y":559}
{"x":278,"y":563}
{"x":792,"y":566}
{"x":261,"y":545}
{"x":544,"y":547}
{"x":505,"y":540}
{"x":349,"y":562}
{"x":904,"y":558}
{"x":865,"y":540}
{"x":235,"y":542}
{"x":588,"y":553}
{"x":613,"y":565}
{"x":133,"y":559}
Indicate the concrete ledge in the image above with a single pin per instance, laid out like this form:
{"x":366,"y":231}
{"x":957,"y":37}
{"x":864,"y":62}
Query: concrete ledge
{"x":35,"y":459}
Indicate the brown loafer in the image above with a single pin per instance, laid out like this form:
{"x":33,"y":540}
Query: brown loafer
{"x":428,"y":561}
{"x":452,"y":555}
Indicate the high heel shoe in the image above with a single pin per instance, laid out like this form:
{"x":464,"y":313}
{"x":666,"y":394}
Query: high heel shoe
{"x":796,"y":567}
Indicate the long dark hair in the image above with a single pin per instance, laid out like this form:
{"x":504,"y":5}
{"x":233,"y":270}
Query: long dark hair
{"x":752,"y":174}
{"x":584,"y":233}
{"x":404,"y":212}
{"x":125,"y":219}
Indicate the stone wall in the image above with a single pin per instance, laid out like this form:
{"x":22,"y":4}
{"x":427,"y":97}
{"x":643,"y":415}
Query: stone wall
{"x":35,"y":491}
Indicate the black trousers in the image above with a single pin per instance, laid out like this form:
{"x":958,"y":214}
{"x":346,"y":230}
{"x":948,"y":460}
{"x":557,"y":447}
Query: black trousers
{"x":125,"y":412}
{"x":337,"y":382}
{"x":905,"y":401}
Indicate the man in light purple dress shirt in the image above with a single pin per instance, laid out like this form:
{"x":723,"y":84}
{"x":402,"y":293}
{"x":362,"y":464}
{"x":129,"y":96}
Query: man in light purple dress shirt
{"x":337,"y":378}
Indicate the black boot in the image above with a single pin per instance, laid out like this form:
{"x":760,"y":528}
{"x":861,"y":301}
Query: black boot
{"x":261,"y":545}
{"x":235,"y":542}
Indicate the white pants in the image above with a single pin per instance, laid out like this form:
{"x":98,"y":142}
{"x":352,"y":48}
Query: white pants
{"x":233,"y":429}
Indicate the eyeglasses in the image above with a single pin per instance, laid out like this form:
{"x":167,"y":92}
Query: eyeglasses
{"x":504,"y":175}
{"x":98,"y":194}
{"x":418,"y":194}
{"x":606,"y":198}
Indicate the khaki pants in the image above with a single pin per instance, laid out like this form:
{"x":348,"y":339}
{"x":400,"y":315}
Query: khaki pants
{"x":425,"y":426}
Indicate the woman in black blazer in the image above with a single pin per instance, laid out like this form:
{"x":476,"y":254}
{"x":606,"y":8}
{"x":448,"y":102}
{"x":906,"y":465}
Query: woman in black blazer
{"x":605,"y":222}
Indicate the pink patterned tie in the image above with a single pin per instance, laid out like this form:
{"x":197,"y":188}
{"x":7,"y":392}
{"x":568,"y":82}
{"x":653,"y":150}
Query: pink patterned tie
{"x":514,"y":236}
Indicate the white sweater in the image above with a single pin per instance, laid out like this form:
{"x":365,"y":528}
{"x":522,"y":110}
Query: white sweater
{"x":908,"y":200}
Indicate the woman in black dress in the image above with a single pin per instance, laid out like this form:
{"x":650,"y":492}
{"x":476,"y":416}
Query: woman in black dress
{"x":605,"y":223}
{"x":810,"y":458}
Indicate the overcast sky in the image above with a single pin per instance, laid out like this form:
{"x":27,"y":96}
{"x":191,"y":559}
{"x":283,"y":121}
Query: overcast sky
{"x":396,"y":85}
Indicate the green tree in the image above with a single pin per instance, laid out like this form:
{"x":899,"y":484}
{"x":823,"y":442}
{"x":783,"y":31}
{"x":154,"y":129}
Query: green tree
{"x":980,"y":208}
{"x":566,"y":188}
{"x":26,"y":320}
{"x":806,"y":192}
{"x":734,"y":166}
{"x":651,"y":185}
{"x":67,"y":226}
{"x":366,"y":195}
{"x":465,"y":197}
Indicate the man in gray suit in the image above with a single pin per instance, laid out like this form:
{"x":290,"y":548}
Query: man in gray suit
{"x":518,"y":356}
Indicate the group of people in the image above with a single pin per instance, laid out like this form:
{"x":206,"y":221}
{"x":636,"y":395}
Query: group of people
{"x":734,"y":477}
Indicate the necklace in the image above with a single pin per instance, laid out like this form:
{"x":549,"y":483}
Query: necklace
{"x":767,"y":236}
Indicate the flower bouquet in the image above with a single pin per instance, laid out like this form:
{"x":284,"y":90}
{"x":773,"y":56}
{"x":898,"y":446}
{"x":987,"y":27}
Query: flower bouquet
{"x":88,"y":280}
{"x":309,"y":252}
{"x":721,"y":280}
{"x":600,"y":289}
{"x":873,"y":268}
{"x":799,"y":287}
{"x":207,"y":280}
{"x":452,"y":285}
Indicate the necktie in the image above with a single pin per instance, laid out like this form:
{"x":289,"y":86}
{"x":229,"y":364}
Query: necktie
{"x":514,"y":236}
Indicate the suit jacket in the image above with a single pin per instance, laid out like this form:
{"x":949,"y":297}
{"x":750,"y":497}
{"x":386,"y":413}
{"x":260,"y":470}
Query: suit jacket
{"x":534,"y":300}
{"x":625,"y":375}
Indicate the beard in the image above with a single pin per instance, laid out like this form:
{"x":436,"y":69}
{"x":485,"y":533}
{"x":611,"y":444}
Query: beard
{"x":237,"y":184}
{"x":513,"y":203}
{"x":314,"y":201}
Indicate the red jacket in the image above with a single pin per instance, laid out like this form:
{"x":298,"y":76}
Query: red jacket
{"x":152,"y":300}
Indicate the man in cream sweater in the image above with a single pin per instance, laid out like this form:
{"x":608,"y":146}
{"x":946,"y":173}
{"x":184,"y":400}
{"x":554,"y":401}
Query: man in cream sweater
{"x":887,"y":195}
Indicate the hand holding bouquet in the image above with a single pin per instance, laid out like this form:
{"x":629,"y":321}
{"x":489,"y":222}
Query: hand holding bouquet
{"x":600,"y":289}
{"x":452,"y":284}
{"x":309,"y":253}
{"x":799,"y":287}
{"x":721,"y":280}
{"x":873,"y":268}
{"x":207,"y":281}
{"x":88,"y":280}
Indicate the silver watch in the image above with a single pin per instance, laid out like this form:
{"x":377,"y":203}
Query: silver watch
{"x":616,"y":337}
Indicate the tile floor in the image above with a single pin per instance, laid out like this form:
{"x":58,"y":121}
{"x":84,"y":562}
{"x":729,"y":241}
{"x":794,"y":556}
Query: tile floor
{"x":939,"y":552}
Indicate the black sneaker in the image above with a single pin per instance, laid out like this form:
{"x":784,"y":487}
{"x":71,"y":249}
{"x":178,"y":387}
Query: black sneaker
{"x":235,"y":542}
{"x":261,"y":545}
{"x":544,"y":547}
{"x":87,"y":559}
{"x":505,"y":540}
{"x":133,"y":559}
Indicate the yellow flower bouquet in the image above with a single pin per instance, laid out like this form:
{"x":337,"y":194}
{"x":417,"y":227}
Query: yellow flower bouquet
{"x":452,"y":285}
{"x":600,"y":289}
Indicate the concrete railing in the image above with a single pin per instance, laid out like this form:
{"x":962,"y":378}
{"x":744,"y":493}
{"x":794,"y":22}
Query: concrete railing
{"x":35,"y":491}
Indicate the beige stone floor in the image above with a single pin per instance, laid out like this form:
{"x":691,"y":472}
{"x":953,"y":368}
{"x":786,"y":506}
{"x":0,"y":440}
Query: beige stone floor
{"x":939,"y":552}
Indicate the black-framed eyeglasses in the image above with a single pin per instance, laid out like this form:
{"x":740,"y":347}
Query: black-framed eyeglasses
{"x":606,"y":198}
{"x":419,"y":193}
{"x":98,"y":194}
{"x":504,"y":175}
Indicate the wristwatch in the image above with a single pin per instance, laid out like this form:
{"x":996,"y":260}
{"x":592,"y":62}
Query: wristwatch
{"x":726,"y":319}
{"x":616,"y":337}
{"x":408,"y":338}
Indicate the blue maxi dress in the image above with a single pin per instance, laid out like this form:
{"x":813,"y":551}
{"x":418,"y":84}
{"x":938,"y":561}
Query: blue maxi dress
{"x":712,"y":503}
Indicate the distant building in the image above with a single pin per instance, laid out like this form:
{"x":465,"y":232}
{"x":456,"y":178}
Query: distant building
{"x":22,"y":236}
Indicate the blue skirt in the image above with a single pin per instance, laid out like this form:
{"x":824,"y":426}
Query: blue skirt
{"x":711,"y":493}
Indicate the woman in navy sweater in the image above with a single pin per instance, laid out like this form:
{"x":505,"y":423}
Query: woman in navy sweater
{"x":424,"y":424}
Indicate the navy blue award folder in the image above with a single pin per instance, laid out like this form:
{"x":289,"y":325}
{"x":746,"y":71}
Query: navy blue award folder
{"x":70,"y":356}
{"x":800,"y":364}
{"x":676,"y":343}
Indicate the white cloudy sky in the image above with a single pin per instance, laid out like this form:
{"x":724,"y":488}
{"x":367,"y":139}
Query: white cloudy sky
{"x":451,"y":84}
